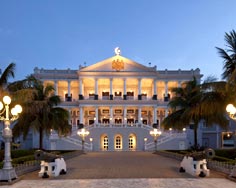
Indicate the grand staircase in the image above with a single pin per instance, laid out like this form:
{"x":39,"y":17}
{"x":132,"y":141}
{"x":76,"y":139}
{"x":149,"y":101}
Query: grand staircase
{"x":167,"y":139}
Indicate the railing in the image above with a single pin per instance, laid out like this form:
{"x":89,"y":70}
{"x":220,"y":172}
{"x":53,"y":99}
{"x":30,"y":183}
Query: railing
{"x":78,"y":142}
{"x":224,"y":167}
{"x":107,"y":98}
{"x":26,"y":167}
{"x":107,"y":125}
{"x":30,"y":166}
{"x":165,"y":137}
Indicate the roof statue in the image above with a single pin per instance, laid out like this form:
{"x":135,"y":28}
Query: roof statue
{"x":117,"y":51}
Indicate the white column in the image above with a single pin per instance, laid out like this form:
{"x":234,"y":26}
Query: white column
{"x":69,"y":119}
{"x":111,"y":115}
{"x":154,"y":87}
{"x":166,"y":112}
{"x":139,"y":114}
{"x":96,"y":115}
{"x":111,"y":83}
{"x":125,"y":114}
{"x":139,"y":86}
{"x":69,"y":94}
{"x":155,"y":115}
{"x":96,"y":86}
{"x":81,"y":115}
{"x":179,"y":83}
{"x":125,"y":87}
{"x":80,"y":86}
{"x":166,"y":88}
{"x":56,"y":87}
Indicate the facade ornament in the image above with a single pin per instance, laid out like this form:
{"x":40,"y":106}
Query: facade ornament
{"x":117,"y":51}
{"x":118,"y":64}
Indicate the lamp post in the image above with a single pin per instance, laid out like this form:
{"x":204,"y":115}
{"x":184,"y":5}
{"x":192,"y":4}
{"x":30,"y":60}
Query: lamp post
{"x":83,"y":133}
{"x":231,"y":111}
{"x":91,"y":143}
{"x":7,"y":173}
{"x":230,"y":108}
{"x":155,"y":133}
{"x":145,"y":143}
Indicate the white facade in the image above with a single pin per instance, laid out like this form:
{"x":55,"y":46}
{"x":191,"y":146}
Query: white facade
{"x":117,"y":100}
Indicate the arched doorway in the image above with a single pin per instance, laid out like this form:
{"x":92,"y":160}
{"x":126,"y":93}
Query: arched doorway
{"x":104,"y":142}
{"x":132,"y":142}
{"x":118,"y":142}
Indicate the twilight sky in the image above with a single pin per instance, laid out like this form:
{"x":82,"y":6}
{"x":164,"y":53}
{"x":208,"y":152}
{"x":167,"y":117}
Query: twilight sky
{"x":171,"y":34}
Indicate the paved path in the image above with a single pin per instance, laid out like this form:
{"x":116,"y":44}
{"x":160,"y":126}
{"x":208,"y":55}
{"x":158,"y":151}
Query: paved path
{"x":123,"y":169}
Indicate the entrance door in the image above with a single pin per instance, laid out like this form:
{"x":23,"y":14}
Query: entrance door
{"x":118,"y":143}
{"x":132,"y":142}
{"x":105,"y":143}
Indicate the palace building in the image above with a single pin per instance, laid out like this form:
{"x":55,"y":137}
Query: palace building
{"x":118,"y":101}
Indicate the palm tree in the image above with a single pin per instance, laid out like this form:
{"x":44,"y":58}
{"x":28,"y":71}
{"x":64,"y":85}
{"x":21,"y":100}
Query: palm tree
{"x":7,"y":73}
{"x":229,"y":56}
{"x":194,"y":102}
{"x":183,"y":106}
{"x":41,"y":112}
{"x":229,"y":66}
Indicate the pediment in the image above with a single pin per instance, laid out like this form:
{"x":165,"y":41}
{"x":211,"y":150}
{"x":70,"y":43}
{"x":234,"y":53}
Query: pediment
{"x":117,"y":63}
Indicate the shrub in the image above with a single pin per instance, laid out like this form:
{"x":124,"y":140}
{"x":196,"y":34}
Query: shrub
{"x":226,"y":153}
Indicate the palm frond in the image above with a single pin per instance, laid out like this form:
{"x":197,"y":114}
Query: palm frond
{"x":7,"y":73}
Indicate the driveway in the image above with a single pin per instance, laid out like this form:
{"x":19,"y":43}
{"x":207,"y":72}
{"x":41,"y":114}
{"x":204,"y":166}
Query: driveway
{"x":109,"y":165}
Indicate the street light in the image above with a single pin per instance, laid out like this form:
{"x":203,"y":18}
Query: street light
{"x":91,"y":143}
{"x":155,"y":133}
{"x":7,"y":173}
{"x":83,"y":133}
{"x":145,"y":143}
{"x":231,"y":111}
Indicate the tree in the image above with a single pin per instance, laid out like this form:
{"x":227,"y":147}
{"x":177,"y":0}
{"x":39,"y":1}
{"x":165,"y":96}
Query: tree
{"x":7,"y":73}
{"x":229,"y":63}
{"x":229,"y":56}
{"x":195,"y":102}
{"x":40,"y":111}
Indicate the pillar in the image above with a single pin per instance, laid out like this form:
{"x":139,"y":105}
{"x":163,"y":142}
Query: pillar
{"x":166,"y":98}
{"x":139,"y":114}
{"x":96,"y":115}
{"x":125,"y":92}
{"x":154,"y":90}
{"x":166,"y":112}
{"x":139,"y":89}
{"x":81,"y":97}
{"x":96,"y":89}
{"x":69,"y":97}
{"x":125,"y":115}
{"x":111,"y":92}
{"x":155,"y":115}
{"x":179,"y":83}
{"x":111,"y":115}
{"x":81,"y":115}
{"x":56,"y":87}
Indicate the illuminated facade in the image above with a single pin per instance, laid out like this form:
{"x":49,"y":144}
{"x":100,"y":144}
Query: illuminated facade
{"x":118,"y":101}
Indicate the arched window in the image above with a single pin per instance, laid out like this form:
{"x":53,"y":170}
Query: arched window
{"x":105,"y":143}
{"x":132,"y":142}
{"x":118,"y":143}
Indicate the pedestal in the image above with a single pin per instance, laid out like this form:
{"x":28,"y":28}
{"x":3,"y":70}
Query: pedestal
{"x":7,"y":175}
